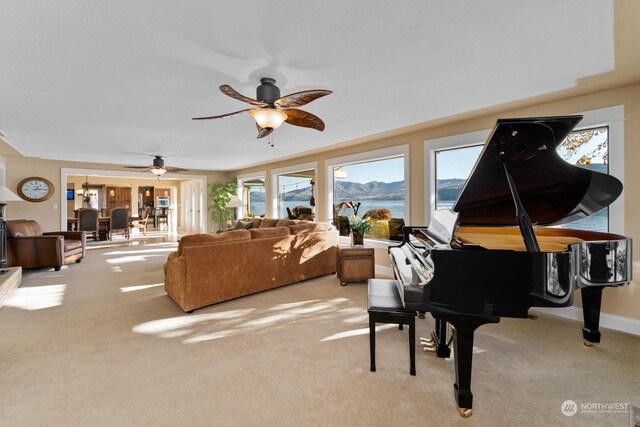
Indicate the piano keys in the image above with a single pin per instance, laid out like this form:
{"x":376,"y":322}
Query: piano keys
{"x":491,"y":256}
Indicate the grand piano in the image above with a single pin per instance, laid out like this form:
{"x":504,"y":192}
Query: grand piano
{"x":491,"y":256}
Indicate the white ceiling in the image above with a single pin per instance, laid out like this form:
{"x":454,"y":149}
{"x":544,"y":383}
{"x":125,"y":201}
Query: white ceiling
{"x":118,"y":81}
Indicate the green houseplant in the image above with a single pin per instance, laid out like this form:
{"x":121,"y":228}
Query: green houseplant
{"x":219,"y":195}
{"x":359,"y":226}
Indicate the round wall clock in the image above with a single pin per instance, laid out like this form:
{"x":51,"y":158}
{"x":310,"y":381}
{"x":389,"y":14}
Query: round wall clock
{"x":35,"y":189}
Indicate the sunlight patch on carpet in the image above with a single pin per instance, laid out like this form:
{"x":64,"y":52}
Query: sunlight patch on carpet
{"x":162,"y":326}
{"x":37,"y":298}
{"x":139,"y":287}
{"x":209,"y":337}
{"x":356,"y":332}
{"x":287,"y":306}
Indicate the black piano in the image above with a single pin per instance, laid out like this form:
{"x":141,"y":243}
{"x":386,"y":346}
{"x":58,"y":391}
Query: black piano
{"x":490,"y":256}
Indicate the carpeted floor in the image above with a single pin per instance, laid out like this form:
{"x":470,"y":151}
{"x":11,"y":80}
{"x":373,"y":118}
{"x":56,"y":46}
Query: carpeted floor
{"x":100,"y":343}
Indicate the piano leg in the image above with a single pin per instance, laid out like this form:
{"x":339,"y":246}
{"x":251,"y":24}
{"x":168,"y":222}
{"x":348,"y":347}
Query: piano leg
{"x":440,"y":339}
{"x":465,"y":327}
{"x":591,"y":300}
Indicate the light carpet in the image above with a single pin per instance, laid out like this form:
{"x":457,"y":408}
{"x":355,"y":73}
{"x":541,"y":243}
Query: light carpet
{"x":100,"y":343}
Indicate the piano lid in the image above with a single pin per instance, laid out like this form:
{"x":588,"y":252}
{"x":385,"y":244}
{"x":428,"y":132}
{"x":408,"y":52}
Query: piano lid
{"x":552,"y":191}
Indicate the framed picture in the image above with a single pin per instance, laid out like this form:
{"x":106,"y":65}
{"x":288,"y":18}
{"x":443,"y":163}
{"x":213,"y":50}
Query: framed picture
{"x":162,"y":202}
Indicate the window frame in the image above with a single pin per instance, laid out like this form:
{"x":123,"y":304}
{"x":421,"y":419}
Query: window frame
{"x":612,"y":117}
{"x":365,"y":157}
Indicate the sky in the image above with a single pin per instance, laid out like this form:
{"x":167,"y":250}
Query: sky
{"x":390,"y":170}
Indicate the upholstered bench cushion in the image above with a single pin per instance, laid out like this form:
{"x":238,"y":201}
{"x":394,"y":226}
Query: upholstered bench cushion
{"x":384,"y":295}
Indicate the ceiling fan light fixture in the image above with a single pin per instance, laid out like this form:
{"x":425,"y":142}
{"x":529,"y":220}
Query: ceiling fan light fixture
{"x":158,"y":171}
{"x":268,"y":118}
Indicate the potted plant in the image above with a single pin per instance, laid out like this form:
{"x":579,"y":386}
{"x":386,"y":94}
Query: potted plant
{"x":358,"y":226}
{"x":219,"y":195}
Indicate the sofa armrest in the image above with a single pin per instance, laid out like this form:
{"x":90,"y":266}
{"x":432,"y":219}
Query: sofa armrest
{"x":175,"y":279}
{"x":34,"y":251}
{"x":75,"y":235}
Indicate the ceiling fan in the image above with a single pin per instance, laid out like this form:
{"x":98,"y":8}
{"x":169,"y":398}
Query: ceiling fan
{"x":158,"y":168}
{"x":273,"y":109}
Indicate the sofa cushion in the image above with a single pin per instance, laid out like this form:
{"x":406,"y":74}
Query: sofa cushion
{"x":256,"y":222}
{"x":269,"y":222}
{"x":243,"y":225}
{"x":310,"y":227}
{"x":22,"y":228}
{"x":203,"y":239}
{"x":286,"y":222}
{"x":261,"y":233}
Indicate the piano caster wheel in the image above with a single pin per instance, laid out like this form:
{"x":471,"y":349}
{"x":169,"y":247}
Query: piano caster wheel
{"x":588,"y":344}
{"x":465,"y":412}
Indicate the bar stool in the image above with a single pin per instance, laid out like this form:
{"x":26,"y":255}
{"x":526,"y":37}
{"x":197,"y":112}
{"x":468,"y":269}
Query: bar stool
{"x":385,"y":306}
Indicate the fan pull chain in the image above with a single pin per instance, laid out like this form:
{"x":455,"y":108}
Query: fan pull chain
{"x":270,"y":141}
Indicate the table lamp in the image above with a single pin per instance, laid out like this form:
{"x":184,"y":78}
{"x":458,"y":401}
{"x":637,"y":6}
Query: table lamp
{"x":235,"y":203}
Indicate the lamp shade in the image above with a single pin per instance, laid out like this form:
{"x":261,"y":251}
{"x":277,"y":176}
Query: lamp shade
{"x":235,"y":202}
{"x":7,"y":195}
{"x":268,"y":118}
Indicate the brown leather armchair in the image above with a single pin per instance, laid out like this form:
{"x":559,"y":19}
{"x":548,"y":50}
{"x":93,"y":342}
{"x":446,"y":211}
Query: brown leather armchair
{"x":29,"y":247}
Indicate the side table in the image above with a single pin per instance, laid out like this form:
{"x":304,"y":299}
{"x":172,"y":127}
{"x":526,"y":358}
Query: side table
{"x":355,"y":264}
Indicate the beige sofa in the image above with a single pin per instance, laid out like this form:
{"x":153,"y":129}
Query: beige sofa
{"x":210,"y":268}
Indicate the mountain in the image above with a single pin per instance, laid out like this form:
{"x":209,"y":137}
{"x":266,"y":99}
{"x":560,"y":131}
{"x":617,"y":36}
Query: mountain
{"x":448,"y":190}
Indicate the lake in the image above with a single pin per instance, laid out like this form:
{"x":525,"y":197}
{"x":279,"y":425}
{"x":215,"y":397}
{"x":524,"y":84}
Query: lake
{"x":596,"y":222}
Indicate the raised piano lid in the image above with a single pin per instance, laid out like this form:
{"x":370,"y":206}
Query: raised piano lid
{"x":552,"y":191}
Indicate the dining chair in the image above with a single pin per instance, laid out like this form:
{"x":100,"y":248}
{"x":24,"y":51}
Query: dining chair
{"x":119,"y":221}
{"x":88,"y":221}
{"x":142,"y":222}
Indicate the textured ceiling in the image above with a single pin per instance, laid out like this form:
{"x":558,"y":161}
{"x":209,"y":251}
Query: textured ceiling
{"x":118,"y":81}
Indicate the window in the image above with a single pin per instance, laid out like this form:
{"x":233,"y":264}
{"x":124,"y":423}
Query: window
{"x":293,"y":191}
{"x":295,"y":195}
{"x":597,"y":145}
{"x":588,"y":148}
{"x":253,"y":196}
{"x":375,"y":187}
{"x":453,"y":167}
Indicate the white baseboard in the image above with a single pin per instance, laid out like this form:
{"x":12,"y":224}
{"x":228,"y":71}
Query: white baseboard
{"x":609,"y":321}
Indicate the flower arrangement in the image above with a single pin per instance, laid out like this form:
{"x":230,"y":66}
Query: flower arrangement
{"x":359,"y":224}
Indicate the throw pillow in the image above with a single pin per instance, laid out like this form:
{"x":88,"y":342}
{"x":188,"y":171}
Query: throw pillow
{"x":268,"y":222}
{"x":242,"y":225}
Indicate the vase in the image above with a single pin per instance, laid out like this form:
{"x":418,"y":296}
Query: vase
{"x":357,"y":239}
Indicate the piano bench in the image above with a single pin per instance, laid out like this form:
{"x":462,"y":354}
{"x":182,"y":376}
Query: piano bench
{"x":385,"y":306}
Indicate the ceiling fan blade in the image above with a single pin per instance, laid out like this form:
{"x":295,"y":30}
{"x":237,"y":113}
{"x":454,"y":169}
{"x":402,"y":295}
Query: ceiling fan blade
{"x":229,"y":91}
{"x":138,"y":167}
{"x":262,"y":132}
{"x":302,"y":118}
{"x":298,"y":99}
{"x":235,"y":113}
{"x":174,"y":169}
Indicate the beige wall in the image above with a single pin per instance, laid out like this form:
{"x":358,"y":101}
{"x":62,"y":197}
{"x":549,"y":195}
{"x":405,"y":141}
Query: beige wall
{"x":47,"y":213}
{"x":622,"y":301}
